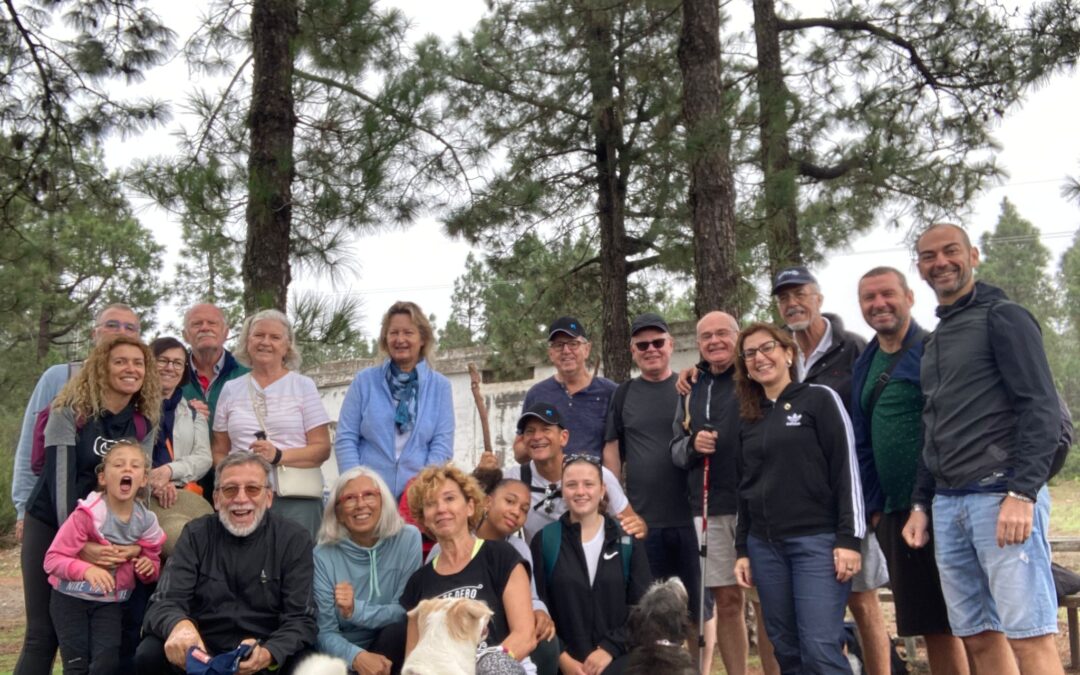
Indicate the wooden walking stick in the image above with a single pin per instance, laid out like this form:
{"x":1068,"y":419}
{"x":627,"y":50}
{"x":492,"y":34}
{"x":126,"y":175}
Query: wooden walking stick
{"x":488,"y":458}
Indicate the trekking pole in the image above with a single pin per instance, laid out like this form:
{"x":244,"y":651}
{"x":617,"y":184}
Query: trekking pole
{"x":704,"y":554}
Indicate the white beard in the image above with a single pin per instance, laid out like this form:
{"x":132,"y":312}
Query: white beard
{"x":236,"y":531}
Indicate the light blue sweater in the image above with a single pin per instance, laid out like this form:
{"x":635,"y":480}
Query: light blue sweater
{"x":377,"y":574}
{"x":366,"y":433}
{"x":23,"y":478}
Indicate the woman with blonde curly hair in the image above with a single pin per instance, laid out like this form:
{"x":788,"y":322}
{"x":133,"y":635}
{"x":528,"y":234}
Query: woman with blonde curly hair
{"x":115,"y":396}
{"x":446,"y":502}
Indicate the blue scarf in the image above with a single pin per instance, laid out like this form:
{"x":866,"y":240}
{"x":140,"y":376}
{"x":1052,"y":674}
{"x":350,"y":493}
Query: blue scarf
{"x":162,"y":456}
{"x":403,"y":387}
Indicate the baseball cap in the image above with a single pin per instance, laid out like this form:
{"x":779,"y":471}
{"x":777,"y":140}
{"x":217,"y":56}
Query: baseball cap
{"x":648,"y":320}
{"x":545,"y":412}
{"x":792,"y":276}
{"x":568,"y":325}
{"x":201,"y":663}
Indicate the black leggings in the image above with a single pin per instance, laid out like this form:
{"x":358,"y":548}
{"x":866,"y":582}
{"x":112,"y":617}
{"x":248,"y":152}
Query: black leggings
{"x":89,"y":634}
{"x":39,"y":643}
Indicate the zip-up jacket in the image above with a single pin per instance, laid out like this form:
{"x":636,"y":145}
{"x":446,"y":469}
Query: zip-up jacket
{"x":991,"y":411}
{"x":796,"y":470}
{"x":712,"y":400}
{"x":594,"y":615}
{"x":234,"y":588}
{"x":833,"y":369}
{"x":230,"y":370}
{"x":906,"y":370}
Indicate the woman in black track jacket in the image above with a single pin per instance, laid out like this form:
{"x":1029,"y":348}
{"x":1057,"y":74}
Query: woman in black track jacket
{"x":800,"y":503}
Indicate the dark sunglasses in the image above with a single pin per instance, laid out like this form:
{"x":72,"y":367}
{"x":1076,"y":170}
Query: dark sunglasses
{"x":643,"y":345}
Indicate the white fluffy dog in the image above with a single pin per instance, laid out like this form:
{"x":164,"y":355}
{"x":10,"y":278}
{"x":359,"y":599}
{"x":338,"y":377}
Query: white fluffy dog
{"x":449,"y":630}
{"x":321,"y":664}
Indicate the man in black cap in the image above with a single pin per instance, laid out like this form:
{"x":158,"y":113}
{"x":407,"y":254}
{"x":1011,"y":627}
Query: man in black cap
{"x":638,"y":444}
{"x":581,"y":399}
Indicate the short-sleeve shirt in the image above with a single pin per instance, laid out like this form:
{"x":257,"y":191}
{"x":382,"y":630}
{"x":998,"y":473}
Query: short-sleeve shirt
{"x":484,"y":578}
{"x":293,"y":408}
{"x":895,"y":433}
{"x":550,"y":495}
{"x":655,"y":486}
{"x":582,"y":413}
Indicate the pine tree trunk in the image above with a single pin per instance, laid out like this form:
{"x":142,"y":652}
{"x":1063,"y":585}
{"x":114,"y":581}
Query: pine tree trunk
{"x":712,"y":188}
{"x":266,"y":267}
{"x":781,"y":211}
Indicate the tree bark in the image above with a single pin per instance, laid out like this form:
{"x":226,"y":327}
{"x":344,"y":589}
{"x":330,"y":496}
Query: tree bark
{"x":611,"y":193}
{"x":780,"y":198}
{"x":712,"y":188}
{"x":266,"y":268}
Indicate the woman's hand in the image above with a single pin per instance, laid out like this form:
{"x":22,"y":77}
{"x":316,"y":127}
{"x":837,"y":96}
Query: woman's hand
{"x":370,"y":663}
{"x":100,"y":580}
{"x":106,"y":556}
{"x":264,"y":449}
{"x":343,"y":599}
{"x":847,"y":563}
{"x":597,"y":662}
{"x":570,"y":666}
{"x":545,"y":627}
{"x":160,"y":477}
{"x":743,"y":577}
{"x":166,"y":495}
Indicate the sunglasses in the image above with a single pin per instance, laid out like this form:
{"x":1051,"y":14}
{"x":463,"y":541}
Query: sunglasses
{"x":643,"y":345}
{"x":231,"y":491}
{"x":580,"y":457}
{"x":547,"y":502}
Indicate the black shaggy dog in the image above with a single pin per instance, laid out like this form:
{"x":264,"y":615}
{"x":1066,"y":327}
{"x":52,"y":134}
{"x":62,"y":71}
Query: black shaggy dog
{"x":658,"y":626}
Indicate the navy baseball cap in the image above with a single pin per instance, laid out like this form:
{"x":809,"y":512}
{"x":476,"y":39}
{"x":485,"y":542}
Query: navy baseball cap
{"x":568,"y":325}
{"x":201,"y":663}
{"x":648,"y":320}
{"x":792,"y":276}
{"x":545,"y":412}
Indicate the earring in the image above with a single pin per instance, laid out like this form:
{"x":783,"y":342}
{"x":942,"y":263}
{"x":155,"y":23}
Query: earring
{"x":789,"y":363}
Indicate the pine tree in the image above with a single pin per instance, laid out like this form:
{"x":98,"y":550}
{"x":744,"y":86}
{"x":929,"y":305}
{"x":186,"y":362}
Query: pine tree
{"x":1015,"y":259}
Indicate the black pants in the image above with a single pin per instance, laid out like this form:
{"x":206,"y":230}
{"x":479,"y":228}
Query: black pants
{"x":39,"y":642}
{"x":89,"y":634}
{"x":150,"y":659}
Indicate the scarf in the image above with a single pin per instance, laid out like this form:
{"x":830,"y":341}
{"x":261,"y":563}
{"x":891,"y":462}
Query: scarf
{"x":403,"y":388}
{"x":162,"y":456}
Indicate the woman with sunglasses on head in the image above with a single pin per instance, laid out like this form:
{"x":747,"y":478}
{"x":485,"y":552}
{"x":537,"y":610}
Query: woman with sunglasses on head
{"x":589,"y":572}
{"x":365,"y":555}
{"x":800,"y":503}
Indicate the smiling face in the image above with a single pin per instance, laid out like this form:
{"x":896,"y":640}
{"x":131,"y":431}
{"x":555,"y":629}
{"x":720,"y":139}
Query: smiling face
{"x":800,"y":306}
{"x":447,"y":511}
{"x":125,"y":472}
{"x":267,"y":343}
{"x":582,"y":488}
{"x":242,"y":512}
{"x":404,"y":341}
{"x":768,"y":364}
{"x":946,"y":262}
{"x":359,"y":508}
{"x":716,"y":336}
{"x":170,"y":368}
{"x":508,"y":507}
{"x":653,"y":361}
{"x":127,"y":368}
{"x":885,"y":304}
{"x":542,"y":440}
{"x":568,"y":354}
{"x":116,"y":321}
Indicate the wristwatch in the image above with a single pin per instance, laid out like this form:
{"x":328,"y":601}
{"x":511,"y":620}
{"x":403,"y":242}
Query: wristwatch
{"x":1020,"y":496}
{"x":920,"y":507}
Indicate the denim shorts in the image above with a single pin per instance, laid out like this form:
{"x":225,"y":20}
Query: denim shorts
{"x":986,"y":587}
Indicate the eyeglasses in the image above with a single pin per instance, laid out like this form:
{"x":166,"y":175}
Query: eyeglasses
{"x":643,"y":345}
{"x":580,"y":457}
{"x":799,"y":295}
{"x":117,"y":326}
{"x":723,"y":334}
{"x":765,"y":348}
{"x":352,"y":500}
{"x":231,"y":491}
{"x":572,"y":345}
{"x":171,"y":364}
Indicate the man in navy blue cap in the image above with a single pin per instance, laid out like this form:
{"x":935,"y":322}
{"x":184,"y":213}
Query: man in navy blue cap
{"x":581,"y":399}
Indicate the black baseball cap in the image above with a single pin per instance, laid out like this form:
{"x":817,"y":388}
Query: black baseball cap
{"x":648,"y":320}
{"x":792,"y":276}
{"x":545,"y":412}
{"x":568,"y":325}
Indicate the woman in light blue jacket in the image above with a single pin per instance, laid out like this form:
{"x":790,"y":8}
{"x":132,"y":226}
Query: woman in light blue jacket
{"x":398,"y":417}
{"x":365,"y":555}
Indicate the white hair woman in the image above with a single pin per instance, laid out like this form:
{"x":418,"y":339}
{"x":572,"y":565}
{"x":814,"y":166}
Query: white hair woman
{"x":365,"y":555}
{"x":275,"y":412}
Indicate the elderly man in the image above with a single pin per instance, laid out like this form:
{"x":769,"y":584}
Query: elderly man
{"x":581,"y":399}
{"x":991,"y":425}
{"x":210,"y":365}
{"x":242,"y":575}
{"x":706,"y":426}
{"x":886,"y":407}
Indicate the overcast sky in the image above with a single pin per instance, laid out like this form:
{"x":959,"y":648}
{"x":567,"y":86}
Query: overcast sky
{"x":1040,"y":147}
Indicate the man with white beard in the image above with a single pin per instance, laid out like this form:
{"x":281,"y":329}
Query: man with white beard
{"x":243,"y":575}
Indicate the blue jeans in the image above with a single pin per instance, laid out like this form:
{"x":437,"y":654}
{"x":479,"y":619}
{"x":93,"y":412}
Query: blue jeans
{"x":987,"y":587}
{"x":802,"y":602}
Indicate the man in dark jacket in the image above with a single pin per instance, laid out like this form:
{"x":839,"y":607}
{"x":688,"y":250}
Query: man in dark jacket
{"x":991,"y":424}
{"x":242,"y":575}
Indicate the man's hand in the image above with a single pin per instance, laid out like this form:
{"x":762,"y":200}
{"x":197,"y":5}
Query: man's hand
{"x":687,"y":379}
{"x":199,"y":407}
{"x":847,"y":563}
{"x":100,"y":580}
{"x":875,"y":518}
{"x":545,"y":627}
{"x":632,"y":524}
{"x":488,"y":460}
{"x":183,"y":637}
{"x":743,"y":577}
{"x":596,"y":662}
{"x":1014,"y":521}
{"x":258,"y":659}
{"x":705,"y":442}
{"x":916,"y":531}
{"x":344,"y":599}
{"x":370,"y":663}
{"x":570,"y":666}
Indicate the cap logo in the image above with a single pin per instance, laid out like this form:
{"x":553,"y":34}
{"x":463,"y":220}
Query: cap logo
{"x":549,"y":412}
{"x":573,"y":325}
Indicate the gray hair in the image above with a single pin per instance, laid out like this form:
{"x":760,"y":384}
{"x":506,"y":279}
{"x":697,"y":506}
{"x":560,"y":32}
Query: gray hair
{"x":390,"y":521}
{"x":292,"y":356}
{"x":238,"y":459}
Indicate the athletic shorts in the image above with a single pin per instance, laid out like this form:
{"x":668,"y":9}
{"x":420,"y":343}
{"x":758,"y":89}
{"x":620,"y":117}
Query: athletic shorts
{"x":873,"y":574}
{"x":720,"y":564}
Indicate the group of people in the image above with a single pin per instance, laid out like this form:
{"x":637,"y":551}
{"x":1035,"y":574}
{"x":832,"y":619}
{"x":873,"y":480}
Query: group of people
{"x":795,"y":464}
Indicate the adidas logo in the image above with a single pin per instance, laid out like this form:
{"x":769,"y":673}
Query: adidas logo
{"x":794,"y":420}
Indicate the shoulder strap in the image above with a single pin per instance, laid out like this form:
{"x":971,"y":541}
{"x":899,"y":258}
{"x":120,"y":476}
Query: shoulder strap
{"x":883,"y":379}
{"x":141,"y":425}
{"x":551,"y":540}
{"x":526,"y":477}
{"x":626,"y":548}
{"x":618,"y":400}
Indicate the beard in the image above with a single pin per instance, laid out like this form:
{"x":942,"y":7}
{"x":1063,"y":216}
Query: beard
{"x":238,"y":531}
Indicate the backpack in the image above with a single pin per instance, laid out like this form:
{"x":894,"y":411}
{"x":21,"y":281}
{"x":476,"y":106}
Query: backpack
{"x":37,"y":449}
{"x":551,"y":542}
